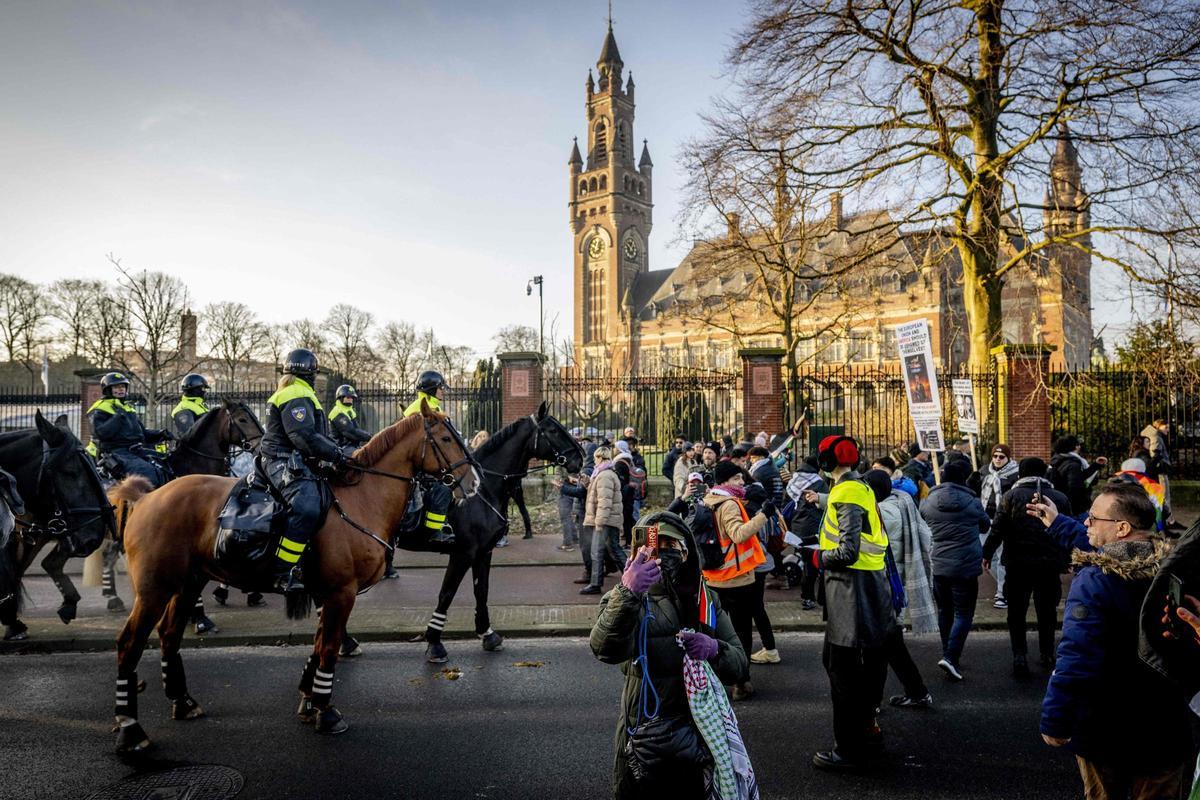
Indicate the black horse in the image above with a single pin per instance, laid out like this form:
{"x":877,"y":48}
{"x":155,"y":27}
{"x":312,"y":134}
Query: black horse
{"x":64,"y":501}
{"x":481,"y":521}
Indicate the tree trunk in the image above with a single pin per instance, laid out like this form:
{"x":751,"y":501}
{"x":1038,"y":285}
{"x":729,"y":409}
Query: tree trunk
{"x":981,"y":299}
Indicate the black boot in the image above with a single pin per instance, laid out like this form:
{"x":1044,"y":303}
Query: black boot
{"x":220,"y":594}
{"x":445,"y":536}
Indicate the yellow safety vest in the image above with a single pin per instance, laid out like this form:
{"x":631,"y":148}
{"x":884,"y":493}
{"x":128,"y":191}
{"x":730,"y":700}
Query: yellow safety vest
{"x":340,"y":408}
{"x":111,"y":405}
{"x":415,"y":406}
{"x":296,"y":389}
{"x":194,"y":404}
{"x":874,"y":542}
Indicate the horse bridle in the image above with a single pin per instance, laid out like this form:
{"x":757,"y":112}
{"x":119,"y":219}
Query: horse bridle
{"x":246,"y":443}
{"x":560,"y":456}
{"x":61,"y":522}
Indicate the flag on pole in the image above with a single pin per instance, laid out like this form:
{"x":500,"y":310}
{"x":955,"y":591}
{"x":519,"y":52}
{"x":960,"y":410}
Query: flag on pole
{"x":46,"y":370}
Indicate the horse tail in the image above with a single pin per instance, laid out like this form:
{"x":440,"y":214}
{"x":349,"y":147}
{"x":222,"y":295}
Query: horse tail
{"x":299,"y":604}
{"x":123,"y":496}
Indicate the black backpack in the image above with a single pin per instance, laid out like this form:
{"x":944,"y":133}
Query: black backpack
{"x":708,"y":540}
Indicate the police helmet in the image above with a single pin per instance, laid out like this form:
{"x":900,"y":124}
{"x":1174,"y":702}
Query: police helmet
{"x":430,"y":381}
{"x":345,"y":390}
{"x":112,"y":379}
{"x":193,"y":385}
{"x":301,"y":363}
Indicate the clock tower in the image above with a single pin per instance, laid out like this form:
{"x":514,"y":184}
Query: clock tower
{"x":610,"y":216}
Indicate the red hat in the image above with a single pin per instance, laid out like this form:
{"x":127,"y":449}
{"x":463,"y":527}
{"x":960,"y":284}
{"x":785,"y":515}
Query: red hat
{"x":841,"y":450}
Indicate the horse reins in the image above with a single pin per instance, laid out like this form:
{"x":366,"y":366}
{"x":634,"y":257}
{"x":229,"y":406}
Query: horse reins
{"x":60,"y":523}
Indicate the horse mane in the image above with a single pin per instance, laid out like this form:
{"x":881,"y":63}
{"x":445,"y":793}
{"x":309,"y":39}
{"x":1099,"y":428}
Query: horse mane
{"x":498,"y":439}
{"x":379,"y":445}
{"x":202,"y":425}
{"x":131,"y":489}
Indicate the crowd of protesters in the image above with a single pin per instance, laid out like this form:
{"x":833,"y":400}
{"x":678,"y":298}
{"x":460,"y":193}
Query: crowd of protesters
{"x":902,"y":545}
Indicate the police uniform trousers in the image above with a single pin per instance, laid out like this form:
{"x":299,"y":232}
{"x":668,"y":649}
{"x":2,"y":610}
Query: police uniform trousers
{"x":301,"y":491}
{"x":134,"y":464}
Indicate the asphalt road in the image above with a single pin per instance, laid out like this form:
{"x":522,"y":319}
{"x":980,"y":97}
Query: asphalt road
{"x":503,"y":730}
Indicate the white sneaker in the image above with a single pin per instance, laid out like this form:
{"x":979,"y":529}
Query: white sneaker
{"x":950,"y":670}
{"x":765,"y":656}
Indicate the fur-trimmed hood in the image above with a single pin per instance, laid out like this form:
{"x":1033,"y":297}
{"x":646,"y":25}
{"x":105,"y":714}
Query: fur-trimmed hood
{"x":1129,"y":560}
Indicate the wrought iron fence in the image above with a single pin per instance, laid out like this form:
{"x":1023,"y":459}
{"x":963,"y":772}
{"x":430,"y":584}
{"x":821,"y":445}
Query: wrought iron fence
{"x":1107,"y":407}
{"x":658,"y":406}
{"x":869,"y":403}
{"x":18,"y":405}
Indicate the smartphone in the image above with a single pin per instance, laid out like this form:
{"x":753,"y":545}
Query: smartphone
{"x":1175,"y":593}
{"x":652,"y":540}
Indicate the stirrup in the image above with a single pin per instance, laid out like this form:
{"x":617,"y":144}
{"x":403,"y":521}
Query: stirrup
{"x":443,"y":536}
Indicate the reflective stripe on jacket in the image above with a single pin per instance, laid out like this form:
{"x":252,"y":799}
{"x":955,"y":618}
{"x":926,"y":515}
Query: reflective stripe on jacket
{"x":740,"y":557}
{"x":196,"y":405}
{"x":873,"y":541}
{"x":415,"y":406}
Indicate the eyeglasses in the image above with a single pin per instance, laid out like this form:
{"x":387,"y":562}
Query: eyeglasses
{"x":1094,"y":518}
{"x":999,"y":455}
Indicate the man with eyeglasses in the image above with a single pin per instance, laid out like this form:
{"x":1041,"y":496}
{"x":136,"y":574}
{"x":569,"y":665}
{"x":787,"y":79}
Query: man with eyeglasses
{"x":1126,"y":723}
{"x":668,"y":467}
{"x":998,"y":476}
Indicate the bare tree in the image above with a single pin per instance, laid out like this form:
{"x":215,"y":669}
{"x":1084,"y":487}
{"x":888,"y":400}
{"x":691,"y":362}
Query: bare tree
{"x":516,"y":338}
{"x":73,"y":303}
{"x":23,"y":313}
{"x":232,"y":334}
{"x":957,"y":108}
{"x":307,"y":334}
{"x":347,"y":335}
{"x":155,"y":303}
{"x":107,"y":329}
{"x":398,"y":346}
{"x":275,"y":340}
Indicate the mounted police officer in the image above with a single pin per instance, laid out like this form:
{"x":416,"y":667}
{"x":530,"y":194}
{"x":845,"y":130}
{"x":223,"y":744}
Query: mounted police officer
{"x":343,"y":418}
{"x":191,"y":404}
{"x":119,"y":432}
{"x":437,"y":496}
{"x":296,"y":437}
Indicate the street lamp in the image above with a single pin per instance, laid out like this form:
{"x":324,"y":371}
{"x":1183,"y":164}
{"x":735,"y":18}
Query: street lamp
{"x":536,"y":280}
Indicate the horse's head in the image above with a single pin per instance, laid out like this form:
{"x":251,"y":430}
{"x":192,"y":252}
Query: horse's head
{"x":445,"y":454}
{"x":240,"y":427}
{"x":554,"y":444}
{"x":70,"y":498}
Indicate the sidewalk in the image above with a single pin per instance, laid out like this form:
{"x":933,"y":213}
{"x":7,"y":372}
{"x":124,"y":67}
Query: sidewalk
{"x":532,"y":595}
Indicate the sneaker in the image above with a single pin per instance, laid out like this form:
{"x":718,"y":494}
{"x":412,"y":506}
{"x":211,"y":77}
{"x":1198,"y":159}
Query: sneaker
{"x":809,"y":605}
{"x":1020,"y":667}
{"x":950,"y":670}
{"x":831,"y":760}
{"x":765,"y":656}
{"x":904,"y":701}
{"x":591,"y":589}
{"x":390,"y":574}
{"x":503,"y":542}
{"x":1000,"y":603}
{"x":567,"y":548}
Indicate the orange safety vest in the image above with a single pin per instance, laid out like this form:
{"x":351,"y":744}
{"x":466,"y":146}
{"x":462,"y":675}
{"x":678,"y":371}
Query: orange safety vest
{"x":740,"y":557}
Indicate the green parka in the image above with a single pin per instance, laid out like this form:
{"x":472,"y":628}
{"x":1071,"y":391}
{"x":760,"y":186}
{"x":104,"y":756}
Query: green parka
{"x":614,"y":640}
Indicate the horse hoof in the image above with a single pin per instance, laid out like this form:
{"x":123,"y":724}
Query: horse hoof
{"x":186,"y":708}
{"x":330,"y":722}
{"x":307,"y":712}
{"x":435,"y":653}
{"x":493,"y":642}
{"x":205,"y":626}
{"x":255,"y":599}
{"x":116,"y":605}
{"x":67,"y":612}
{"x":132,"y":739}
{"x":350,"y":648}
{"x":141,"y":687}
{"x":420,"y":637}
{"x":17,"y":632}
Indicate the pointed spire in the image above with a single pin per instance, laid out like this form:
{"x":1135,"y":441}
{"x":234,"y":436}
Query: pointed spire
{"x":1065,"y":154}
{"x":609,"y":54}
{"x":645,"y":161}
{"x":576,"y":159}
{"x":629,"y":82}
{"x":591,"y":82}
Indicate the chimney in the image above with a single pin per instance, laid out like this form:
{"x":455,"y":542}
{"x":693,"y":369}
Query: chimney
{"x":835,"y":211}
{"x":734,"y":221}
{"x":187,"y":336}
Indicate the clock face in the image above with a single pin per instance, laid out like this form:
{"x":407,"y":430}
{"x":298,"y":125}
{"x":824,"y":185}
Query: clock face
{"x":596,"y":247}
{"x":631,"y":248}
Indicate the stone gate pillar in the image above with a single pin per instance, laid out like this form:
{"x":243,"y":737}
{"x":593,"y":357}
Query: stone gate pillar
{"x":520,"y":385}
{"x":762,"y":390}
{"x":89,"y":392}
{"x":1022,"y":376}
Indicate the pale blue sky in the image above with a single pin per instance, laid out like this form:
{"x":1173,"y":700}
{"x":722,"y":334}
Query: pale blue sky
{"x":407,"y":157}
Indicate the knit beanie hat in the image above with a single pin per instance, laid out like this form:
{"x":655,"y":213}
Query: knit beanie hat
{"x":956,"y":471}
{"x":1032,"y":467}
{"x":1003,"y":448}
{"x":725,"y":470}
{"x":880,"y":483}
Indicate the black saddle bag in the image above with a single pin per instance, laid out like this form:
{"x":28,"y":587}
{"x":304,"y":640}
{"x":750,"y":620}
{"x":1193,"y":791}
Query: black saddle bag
{"x":251,"y":522}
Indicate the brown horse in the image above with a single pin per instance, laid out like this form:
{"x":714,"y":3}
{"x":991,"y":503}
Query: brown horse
{"x":170,"y":536}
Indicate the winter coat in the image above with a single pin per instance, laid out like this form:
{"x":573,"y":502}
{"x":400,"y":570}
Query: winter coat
{"x":1069,"y":476}
{"x":728,"y":518}
{"x":1177,"y":659}
{"x":994,"y":483}
{"x":668,"y":466}
{"x":604,"y":506}
{"x":858,"y":603}
{"x":765,"y":472}
{"x":907,"y":485}
{"x":1070,"y":534}
{"x":956,"y":518}
{"x":919,"y":472}
{"x":627,"y":496}
{"x":910,"y":540}
{"x":1160,"y":450}
{"x":1115,"y":710}
{"x":806,"y":521}
{"x":614,"y":640}
{"x":1027,"y":544}
{"x":683,"y":467}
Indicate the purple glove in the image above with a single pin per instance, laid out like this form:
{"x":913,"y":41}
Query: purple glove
{"x":641,"y":572}
{"x":699,"y":646}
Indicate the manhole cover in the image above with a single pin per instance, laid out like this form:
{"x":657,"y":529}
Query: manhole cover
{"x":198,"y":782}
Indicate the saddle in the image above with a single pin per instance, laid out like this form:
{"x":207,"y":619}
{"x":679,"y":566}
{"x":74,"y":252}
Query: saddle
{"x":251,"y":522}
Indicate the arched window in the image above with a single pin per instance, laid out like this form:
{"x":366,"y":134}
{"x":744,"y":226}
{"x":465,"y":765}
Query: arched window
{"x":623,"y":140}
{"x":627,"y":183}
{"x":604,"y":183}
{"x":641,"y":188}
{"x":600,"y":150}
{"x":895,"y":283}
{"x":592,"y":185}
{"x":583,"y":186}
